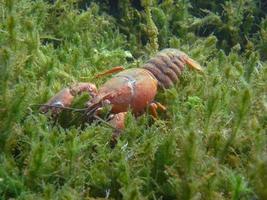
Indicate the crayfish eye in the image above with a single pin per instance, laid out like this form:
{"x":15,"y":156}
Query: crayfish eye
{"x":58,"y":104}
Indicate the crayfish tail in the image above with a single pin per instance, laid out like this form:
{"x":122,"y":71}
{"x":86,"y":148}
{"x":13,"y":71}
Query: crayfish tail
{"x":168,"y":64}
{"x":193,"y":64}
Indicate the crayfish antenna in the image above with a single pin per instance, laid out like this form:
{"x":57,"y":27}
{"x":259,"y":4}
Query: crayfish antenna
{"x":194,"y":65}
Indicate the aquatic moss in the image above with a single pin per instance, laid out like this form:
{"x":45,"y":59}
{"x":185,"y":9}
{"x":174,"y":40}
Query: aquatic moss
{"x":211,"y":142}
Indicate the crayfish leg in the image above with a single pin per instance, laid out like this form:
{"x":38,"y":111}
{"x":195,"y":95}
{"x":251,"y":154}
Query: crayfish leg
{"x":160,"y":106}
{"x":110,"y":71}
{"x":153,"y":107}
{"x":153,"y":110}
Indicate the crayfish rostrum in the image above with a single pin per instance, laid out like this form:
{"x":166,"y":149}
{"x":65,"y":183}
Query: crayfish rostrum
{"x":131,"y":89}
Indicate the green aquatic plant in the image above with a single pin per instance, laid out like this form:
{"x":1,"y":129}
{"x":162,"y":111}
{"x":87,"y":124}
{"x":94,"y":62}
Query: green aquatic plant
{"x":151,"y":28}
{"x":209,"y":144}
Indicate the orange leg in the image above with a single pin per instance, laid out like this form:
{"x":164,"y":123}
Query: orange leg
{"x":153,"y":109}
{"x":65,"y":97}
{"x":111,"y":71}
{"x":160,"y":106}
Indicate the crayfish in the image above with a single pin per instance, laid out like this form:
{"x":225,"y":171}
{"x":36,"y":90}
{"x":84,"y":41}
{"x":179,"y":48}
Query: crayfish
{"x":129,"y":90}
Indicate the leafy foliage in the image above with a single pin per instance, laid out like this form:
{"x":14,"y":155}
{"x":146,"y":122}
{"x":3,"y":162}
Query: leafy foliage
{"x":211,"y":142}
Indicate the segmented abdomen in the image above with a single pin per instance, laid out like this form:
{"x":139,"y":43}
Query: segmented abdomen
{"x":167,"y":66}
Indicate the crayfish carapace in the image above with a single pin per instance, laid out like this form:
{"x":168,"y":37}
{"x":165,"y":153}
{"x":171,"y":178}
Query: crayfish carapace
{"x":131,"y":89}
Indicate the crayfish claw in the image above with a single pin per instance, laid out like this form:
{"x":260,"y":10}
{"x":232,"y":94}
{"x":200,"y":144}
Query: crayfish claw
{"x":55,"y":108}
{"x":117,"y":121}
{"x":58,"y":102}
{"x":63,"y":99}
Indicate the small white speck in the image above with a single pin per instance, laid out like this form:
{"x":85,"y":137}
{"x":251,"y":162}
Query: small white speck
{"x":107,"y":193}
{"x":124,"y":146}
{"x":58,"y":103}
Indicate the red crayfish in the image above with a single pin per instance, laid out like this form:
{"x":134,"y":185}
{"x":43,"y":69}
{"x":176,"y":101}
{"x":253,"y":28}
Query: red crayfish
{"x":131,"y":89}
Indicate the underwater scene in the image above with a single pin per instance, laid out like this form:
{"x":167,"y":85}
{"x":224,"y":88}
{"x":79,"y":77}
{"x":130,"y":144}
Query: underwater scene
{"x":133,"y":99}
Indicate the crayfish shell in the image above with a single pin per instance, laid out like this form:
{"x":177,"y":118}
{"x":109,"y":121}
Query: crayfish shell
{"x":167,"y":65}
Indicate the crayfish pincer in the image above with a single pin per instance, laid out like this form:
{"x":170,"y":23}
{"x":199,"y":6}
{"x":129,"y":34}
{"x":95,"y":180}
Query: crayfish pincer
{"x":131,"y":89}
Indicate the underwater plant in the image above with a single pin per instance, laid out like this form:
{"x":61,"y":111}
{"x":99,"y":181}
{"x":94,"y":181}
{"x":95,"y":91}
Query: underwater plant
{"x":209,"y":144}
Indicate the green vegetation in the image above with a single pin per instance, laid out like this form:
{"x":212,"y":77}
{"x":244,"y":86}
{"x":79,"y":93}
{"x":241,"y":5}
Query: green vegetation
{"x":210,"y":144}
